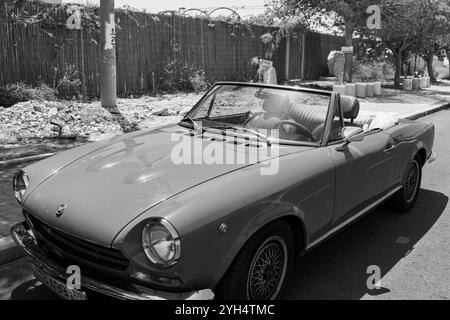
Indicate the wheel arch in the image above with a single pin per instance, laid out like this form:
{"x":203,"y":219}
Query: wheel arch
{"x":294,"y":222}
{"x":422,"y":153}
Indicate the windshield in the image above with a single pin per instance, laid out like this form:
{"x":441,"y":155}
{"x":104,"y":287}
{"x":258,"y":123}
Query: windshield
{"x":282,"y":114}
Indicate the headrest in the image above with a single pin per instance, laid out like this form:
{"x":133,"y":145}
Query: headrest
{"x":349,"y":106}
{"x":275,"y":103}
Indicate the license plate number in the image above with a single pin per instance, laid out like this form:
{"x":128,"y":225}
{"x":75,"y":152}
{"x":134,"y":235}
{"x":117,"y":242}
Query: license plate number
{"x":57,"y":286}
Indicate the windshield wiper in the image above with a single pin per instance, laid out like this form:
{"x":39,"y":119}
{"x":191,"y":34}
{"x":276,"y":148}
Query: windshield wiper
{"x":268,"y":140}
{"x":195,"y":125}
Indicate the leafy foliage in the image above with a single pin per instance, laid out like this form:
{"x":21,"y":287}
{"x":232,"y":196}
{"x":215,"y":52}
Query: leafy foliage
{"x":20,"y":92}
{"x":69,"y":86}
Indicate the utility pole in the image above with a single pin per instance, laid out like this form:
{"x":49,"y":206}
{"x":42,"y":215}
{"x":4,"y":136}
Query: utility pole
{"x":287,"y":57}
{"x":108,"y":82}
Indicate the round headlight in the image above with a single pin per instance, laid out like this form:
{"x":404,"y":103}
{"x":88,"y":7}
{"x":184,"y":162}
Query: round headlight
{"x":161,"y":243}
{"x":20,"y":185}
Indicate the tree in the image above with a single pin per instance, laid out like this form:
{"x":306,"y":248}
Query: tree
{"x":434,"y":24}
{"x":419,"y":26}
{"x":347,"y":15}
{"x":399,"y":29}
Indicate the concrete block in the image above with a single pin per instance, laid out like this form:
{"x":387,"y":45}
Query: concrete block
{"x":350,"y":89}
{"x":360,"y":89}
{"x":422,"y":83}
{"x":377,"y":89}
{"x":407,"y":84}
{"x":370,"y":90}
{"x":339,"y":88}
{"x":415,"y":83}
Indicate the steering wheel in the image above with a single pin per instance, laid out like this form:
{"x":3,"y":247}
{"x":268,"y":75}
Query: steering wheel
{"x":251,"y":116}
{"x":302,"y":129}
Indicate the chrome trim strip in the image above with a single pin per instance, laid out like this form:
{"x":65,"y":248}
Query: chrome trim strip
{"x":34,"y":254}
{"x":176,"y":238}
{"x":353,"y":218}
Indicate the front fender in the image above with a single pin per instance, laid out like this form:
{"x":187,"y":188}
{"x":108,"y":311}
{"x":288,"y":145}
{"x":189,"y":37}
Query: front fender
{"x":244,"y":200}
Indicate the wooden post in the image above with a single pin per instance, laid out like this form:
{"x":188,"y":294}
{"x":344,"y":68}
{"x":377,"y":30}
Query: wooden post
{"x":288,"y":53}
{"x":303,"y":70}
{"x":108,"y":81}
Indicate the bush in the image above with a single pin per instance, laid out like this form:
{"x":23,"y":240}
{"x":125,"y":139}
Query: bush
{"x":187,"y":79}
{"x":21,"y":92}
{"x":198,"y":81}
{"x":70,"y":85}
{"x":373,"y":71}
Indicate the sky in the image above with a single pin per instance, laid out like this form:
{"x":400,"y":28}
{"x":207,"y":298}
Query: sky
{"x":250,"y":6}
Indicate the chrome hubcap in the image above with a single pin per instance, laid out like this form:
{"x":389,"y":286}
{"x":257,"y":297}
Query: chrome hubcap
{"x":411,"y":182}
{"x":268,"y":269}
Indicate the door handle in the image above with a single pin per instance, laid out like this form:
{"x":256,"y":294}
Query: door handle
{"x":390,"y":147}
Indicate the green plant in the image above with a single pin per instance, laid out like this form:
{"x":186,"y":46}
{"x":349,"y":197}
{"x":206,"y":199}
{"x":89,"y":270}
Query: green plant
{"x":69,"y":85}
{"x":198,"y":81}
{"x":21,"y":92}
{"x":373,"y":70}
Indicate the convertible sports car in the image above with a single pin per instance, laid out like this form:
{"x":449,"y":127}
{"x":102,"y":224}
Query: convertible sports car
{"x":151,"y":215}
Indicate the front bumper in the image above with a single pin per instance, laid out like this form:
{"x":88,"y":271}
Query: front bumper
{"x":34,"y":254}
{"x":432,"y":157}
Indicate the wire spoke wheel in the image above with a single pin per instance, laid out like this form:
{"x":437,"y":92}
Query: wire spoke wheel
{"x":267,"y":270}
{"x":411,"y":182}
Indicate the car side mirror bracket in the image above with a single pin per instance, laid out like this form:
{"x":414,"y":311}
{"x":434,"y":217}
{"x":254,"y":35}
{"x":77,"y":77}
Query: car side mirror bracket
{"x":351,"y":134}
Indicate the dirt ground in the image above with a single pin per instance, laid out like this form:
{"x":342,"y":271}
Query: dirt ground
{"x":40,"y":119}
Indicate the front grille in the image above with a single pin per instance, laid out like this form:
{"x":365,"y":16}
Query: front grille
{"x":75,"y":247}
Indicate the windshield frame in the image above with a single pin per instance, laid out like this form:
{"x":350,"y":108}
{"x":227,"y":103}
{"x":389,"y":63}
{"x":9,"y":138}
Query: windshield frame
{"x":217,"y":85}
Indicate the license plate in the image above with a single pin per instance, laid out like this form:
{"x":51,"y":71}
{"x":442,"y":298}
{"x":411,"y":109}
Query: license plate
{"x":57,"y":286}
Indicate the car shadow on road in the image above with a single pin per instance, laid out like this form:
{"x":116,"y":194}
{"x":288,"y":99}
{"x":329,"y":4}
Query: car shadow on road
{"x":33,"y":290}
{"x":337,"y":269}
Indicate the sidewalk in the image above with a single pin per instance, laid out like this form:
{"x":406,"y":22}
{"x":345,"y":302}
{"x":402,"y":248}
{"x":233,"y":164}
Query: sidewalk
{"x":410,"y":105}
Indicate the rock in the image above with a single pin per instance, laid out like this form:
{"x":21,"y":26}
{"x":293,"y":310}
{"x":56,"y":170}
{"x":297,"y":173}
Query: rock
{"x":53,"y":112}
{"x":336,"y":61}
{"x":162,"y":113}
{"x":38,"y":108}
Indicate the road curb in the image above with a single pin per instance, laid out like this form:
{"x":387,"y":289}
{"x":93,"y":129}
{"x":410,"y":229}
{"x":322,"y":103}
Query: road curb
{"x":26,"y":159}
{"x":421,"y":114}
{"x":9,"y":251}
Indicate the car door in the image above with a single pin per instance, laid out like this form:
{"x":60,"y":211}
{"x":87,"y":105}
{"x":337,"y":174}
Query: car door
{"x":363,"y":170}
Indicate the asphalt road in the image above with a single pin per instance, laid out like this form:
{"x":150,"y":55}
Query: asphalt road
{"x":411,"y":250}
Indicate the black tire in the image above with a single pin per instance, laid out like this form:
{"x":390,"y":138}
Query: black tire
{"x":275,"y":240}
{"x":406,"y":197}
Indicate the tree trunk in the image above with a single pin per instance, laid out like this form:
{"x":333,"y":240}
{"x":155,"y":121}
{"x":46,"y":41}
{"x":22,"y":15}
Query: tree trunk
{"x":398,"y":67}
{"x":108,"y":87}
{"x":447,"y":53}
{"x":430,"y":58}
{"x":348,"y":65}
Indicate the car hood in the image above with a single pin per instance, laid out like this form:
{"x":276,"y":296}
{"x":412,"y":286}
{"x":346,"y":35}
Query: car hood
{"x":110,"y":186}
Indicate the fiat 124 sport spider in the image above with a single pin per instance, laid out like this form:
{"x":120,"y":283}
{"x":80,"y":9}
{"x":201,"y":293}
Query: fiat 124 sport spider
{"x":220,"y":204}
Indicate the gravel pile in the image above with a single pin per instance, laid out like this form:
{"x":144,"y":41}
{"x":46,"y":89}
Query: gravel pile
{"x":43,"y":119}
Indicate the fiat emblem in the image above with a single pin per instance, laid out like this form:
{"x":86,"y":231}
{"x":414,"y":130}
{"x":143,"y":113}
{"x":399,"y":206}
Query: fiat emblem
{"x":60,"y":210}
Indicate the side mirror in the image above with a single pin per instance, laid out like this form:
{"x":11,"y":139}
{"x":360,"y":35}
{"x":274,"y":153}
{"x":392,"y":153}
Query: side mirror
{"x":352,"y":134}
